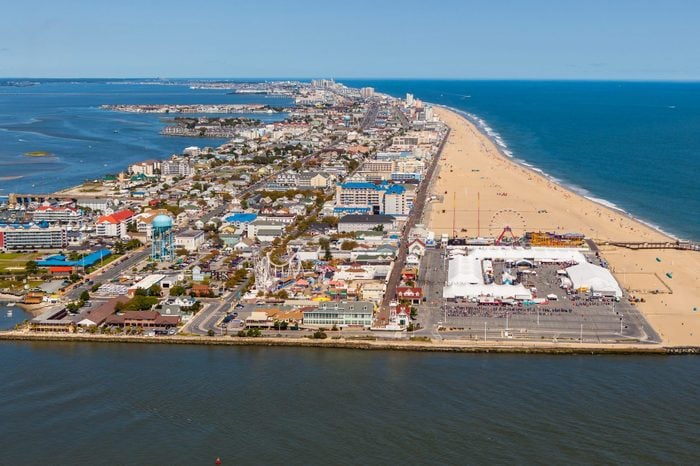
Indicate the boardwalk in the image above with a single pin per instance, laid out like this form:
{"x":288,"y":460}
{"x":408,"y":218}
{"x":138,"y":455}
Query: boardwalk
{"x":416,"y":213}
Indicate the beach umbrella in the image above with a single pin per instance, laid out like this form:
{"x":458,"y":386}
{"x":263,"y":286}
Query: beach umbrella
{"x":669,"y":274}
{"x":658,"y":259}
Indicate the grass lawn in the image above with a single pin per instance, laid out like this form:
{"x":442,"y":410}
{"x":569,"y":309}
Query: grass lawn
{"x":19,"y":285}
{"x":10,"y":261}
{"x":105,"y":261}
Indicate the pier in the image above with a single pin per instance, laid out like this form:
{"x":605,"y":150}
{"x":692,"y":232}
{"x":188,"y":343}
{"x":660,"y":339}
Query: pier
{"x":638,"y":245}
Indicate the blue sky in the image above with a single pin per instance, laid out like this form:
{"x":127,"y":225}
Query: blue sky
{"x":559,"y":39}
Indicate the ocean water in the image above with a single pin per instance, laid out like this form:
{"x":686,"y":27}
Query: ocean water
{"x":63,"y":117}
{"x":86,"y":404}
{"x":632,"y":145}
{"x":11,"y":316}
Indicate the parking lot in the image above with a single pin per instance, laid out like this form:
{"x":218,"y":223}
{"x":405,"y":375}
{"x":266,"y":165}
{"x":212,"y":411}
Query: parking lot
{"x":570,"y":317}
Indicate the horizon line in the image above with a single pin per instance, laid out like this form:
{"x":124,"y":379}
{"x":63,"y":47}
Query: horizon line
{"x":365,"y":78}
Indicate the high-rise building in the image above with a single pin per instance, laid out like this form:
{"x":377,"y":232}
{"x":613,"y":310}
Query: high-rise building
{"x":367,"y":92}
{"x":32,"y":236}
{"x":409,"y":100}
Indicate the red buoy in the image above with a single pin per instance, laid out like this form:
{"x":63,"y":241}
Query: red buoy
{"x":218,"y":461}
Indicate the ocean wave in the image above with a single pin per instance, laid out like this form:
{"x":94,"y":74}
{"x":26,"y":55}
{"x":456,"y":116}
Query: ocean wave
{"x":606,"y":203}
{"x":10,"y":178}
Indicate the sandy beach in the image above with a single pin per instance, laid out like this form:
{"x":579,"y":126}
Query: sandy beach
{"x":485,"y":191}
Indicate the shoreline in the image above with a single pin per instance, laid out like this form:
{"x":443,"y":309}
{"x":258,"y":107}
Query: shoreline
{"x":444,"y":346}
{"x":475,"y":174}
{"x":502,"y":148}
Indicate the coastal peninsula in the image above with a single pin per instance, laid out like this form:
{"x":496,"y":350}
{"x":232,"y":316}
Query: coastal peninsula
{"x":359,"y":217}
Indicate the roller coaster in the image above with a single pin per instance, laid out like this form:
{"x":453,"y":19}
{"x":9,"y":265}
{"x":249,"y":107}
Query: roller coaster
{"x":269,"y":275}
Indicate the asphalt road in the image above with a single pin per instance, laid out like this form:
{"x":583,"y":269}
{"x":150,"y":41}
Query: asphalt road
{"x":110,"y":272}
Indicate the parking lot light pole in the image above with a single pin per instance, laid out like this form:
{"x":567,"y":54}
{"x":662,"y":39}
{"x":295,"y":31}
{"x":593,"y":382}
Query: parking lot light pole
{"x":484,"y":330}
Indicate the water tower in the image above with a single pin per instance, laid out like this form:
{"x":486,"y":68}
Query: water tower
{"x":162,"y":239}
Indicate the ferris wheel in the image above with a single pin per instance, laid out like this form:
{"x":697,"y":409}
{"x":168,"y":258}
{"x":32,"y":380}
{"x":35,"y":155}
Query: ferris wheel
{"x":507,"y":223}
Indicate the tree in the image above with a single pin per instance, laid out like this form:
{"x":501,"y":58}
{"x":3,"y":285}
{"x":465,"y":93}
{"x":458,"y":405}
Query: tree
{"x":74,"y":306}
{"x":320,"y":335}
{"x":96,"y":287}
{"x":137,"y":303}
{"x":210,"y":333}
{"x":31,"y":267}
{"x":348,"y":245}
{"x":280,"y":325}
{"x":154,"y":290}
{"x":85,"y":296}
{"x":177,"y":290}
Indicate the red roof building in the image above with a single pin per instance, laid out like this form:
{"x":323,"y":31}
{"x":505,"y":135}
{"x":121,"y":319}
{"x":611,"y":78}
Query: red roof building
{"x":115,"y":224}
{"x":412,"y":294}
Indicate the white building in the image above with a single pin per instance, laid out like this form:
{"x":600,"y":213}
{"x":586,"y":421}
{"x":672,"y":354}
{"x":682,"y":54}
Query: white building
{"x":340,"y":314}
{"x":30,"y":236}
{"x":176,"y":168}
{"x":53,"y":214}
{"x":264,"y":230}
{"x":114,"y":225}
{"x":96,"y":205}
{"x":189,"y":240}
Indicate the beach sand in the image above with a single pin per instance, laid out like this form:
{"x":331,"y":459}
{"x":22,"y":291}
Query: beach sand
{"x":485,"y":191}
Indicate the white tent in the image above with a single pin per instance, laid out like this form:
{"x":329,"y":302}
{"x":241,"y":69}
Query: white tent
{"x":595,"y":278}
{"x":496,"y":291}
{"x":464,"y":270}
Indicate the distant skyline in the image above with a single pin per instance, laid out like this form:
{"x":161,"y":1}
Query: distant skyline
{"x":451,"y":39}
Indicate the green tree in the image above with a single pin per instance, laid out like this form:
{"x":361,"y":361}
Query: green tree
{"x":177,"y":290}
{"x":31,"y":267}
{"x":253,"y":332}
{"x":85,"y":296}
{"x":154,"y":290}
{"x":348,"y":245}
{"x":280,"y":325}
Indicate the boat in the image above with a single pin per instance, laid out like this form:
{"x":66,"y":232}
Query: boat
{"x":9,"y":313}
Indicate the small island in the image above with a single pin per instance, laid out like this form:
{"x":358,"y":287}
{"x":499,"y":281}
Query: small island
{"x":38,"y":153}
